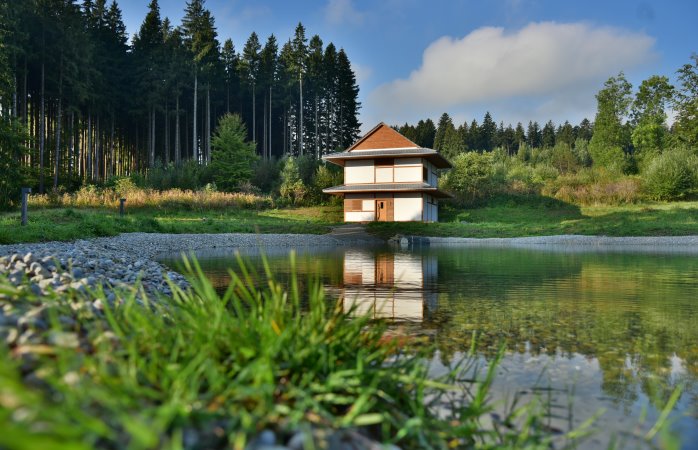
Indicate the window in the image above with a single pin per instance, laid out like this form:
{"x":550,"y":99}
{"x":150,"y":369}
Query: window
{"x":353,"y":205}
{"x":425,"y":174}
{"x":385,"y":162}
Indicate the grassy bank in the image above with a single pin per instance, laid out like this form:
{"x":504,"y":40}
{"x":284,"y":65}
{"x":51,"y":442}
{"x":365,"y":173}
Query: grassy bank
{"x":506,"y":216}
{"x":541,"y":216}
{"x":63,"y":224}
{"x":200,"y":370}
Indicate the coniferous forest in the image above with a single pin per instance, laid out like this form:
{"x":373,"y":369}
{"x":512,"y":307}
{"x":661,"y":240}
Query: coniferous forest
{"x":87,"y":103}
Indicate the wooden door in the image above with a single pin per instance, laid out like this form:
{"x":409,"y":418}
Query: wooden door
{"x":381,"y":213}
{"x":385,"y":210}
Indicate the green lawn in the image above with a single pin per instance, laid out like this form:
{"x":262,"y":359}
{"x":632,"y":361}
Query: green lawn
{"x":545,"y":216}
{"x":63,"y":224}
{"x":510,"y":217}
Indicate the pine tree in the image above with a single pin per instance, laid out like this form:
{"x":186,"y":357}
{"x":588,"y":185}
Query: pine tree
{"x":348,"y":105}
{"x":268,"y":77}
{"x":426,"y":132}
{"x":488,"y":131}
{"x":249,"y":70}
{"x":533,"y":135}
{"x":519,"y":135}
{"x":445,"y":124}
{"x":548,"y":135}
{"x":300,"y":61}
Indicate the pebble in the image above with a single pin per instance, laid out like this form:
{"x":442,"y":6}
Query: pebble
{"x":63,"y":339}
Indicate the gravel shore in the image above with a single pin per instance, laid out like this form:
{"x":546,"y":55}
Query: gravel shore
{"x":122,"y":260}
{"x":579,"y":243}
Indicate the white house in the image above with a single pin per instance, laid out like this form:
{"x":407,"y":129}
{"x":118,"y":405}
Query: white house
{"x":389,"y":178}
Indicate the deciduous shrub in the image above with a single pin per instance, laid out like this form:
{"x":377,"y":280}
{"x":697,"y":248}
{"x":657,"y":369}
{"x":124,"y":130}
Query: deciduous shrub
{"x":292,"y":188}
{"x":672,"y":175}
{"x":474,"y":177}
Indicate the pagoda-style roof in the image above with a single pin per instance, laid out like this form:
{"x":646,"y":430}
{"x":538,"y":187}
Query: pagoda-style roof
{"x":386,"y":187}
{"x":384,"y":142}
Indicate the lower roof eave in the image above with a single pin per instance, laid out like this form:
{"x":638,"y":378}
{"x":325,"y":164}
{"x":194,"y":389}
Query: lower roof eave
{"x":431,"y":191}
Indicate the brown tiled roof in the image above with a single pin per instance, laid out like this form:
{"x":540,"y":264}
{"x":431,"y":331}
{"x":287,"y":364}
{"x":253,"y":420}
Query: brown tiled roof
{"x":382,"y":136}
{"x":434,"y":156}
{"x":386,"y":187}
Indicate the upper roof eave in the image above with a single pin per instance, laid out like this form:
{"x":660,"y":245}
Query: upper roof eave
{"x":433,"y":155}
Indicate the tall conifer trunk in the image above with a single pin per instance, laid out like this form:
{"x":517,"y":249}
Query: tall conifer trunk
{"x":317,"y":136}
{"x":71,"y":146}
{"x":196,"y":87}
{"x":89,"y":170}
{"x":58,"y":129}
{"x":300,"y":127}
{"x":42,"y":125}
{"x":208,"y":124}
{"x":178,"y":155}
{"x":166,"y":157}
{"x":112,"y":145}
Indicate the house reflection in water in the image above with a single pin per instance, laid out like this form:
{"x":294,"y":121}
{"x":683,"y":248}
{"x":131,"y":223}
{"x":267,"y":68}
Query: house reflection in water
{"x":398,"y":286}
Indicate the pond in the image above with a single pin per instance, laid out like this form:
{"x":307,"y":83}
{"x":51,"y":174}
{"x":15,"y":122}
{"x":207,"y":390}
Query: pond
{"x":613,"y":331}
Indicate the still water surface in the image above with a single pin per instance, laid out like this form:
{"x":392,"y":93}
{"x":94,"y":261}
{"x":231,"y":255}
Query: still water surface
{"x":614,"y":330}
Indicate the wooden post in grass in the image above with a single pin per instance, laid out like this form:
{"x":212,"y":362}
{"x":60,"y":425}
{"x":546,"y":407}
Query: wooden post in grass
{"x":25,"y":192}
{"x":121,"y":206}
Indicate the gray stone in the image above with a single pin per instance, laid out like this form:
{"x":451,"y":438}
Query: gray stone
{"x":35,"y":288}
{"x":28,"y":258}
{"x":64,"y":339}
{"x":266,"y":437}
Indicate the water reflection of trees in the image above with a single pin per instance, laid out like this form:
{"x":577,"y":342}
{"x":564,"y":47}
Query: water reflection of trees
{"x":607,"y":307}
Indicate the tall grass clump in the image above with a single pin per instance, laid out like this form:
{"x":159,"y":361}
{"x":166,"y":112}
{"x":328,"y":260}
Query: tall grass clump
{"x":203,"y":370}
{"x":95,"y":197}
{"x":592,"y":186}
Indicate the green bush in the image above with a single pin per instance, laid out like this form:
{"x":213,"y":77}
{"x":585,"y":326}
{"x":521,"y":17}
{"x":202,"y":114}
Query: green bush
{"x":292,"y":188}
{"x":672,"y":175}
{"x":474,"y":177}
{"x":564,"y":159}
{"x":326,"y":176}
{"x":189,"y":175}
{"x":266,"y":174}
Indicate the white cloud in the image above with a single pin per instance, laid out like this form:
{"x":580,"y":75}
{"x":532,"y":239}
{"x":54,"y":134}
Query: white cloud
{"x":339,"y":12}
{"x":545,"y":65}
{"x":362,"y":72}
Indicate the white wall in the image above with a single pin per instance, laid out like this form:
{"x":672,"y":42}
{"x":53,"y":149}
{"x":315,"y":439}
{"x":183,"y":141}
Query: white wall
{"x":358,"y":171}
{"x":411,"y":174}
{"x":359,"y":216}
{"x":408,"y":207}
{"x":384,"y":174}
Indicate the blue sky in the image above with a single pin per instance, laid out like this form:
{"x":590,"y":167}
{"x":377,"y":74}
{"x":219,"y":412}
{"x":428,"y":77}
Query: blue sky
{"x":519,"y":59}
